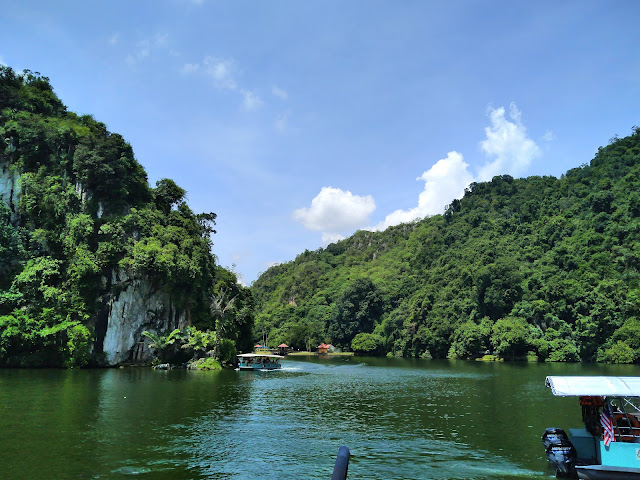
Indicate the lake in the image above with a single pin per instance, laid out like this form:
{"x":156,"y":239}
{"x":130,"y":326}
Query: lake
{"x":402,"y":419}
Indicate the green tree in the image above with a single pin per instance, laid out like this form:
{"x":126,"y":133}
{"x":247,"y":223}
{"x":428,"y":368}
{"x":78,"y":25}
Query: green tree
{"x":510,"y":337}
{"x":498,"y":288}
{"x":619,"y":352}
{"x":470,"y":340}
{"x":12,"y":251}
{"x":166,"y":347}
{"x":367,"y":344}
{"x":221,"y":306}
{"x":199,"y":343}
{"x":357,"y":311}
{"x":85,"y":213}
{"x":168,"y":194}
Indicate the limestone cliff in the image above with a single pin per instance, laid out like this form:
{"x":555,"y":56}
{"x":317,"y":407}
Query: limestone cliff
{"x":130,"y":308}
{"x":9,"y":188}
{"x":91,"y":255}
{"x":125,"y":315}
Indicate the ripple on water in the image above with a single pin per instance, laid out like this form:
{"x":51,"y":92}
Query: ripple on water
{"x":399,"y":423}
{"x":401,"y":419}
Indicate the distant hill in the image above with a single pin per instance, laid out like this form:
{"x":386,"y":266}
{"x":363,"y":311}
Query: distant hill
{"x":90,"y":255}
{"x":539,"y":266}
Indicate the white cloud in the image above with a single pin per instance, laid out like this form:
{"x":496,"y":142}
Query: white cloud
{"x":549,"y":136}
{"x":508,"y":143}
{"x":328,"y":238}
{"x":334,"y":211}
{"x":444,"y":181}
{"x":239,"y":257}
{"x":281,"y":123}
{"x":160,"y":39}
{"x":144,"y":48}
{"x":251,"y":101}
{"x":221,"y":71}
{"x":279,"y":92}
{"x":190,"y":68}
{"x":224,"y":73}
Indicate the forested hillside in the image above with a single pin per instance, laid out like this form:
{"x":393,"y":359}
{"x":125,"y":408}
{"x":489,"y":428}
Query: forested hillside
{"x":538,"y":265}
{"x":79,"y":225}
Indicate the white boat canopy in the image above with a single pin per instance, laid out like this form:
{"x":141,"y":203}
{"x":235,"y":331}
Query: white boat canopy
{"x":258,"y":355}
{"x":594,"y":386}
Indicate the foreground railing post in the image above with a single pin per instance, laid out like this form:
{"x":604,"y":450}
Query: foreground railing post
{"x":342,"y":464}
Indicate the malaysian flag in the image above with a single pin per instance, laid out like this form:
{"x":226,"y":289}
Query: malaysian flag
{"x":607,"y":424}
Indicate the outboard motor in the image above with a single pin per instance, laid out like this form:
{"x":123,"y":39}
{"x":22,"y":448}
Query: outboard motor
{"x":560,"y":452}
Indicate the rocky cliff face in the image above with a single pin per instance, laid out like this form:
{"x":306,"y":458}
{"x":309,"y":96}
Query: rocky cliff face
{"x":125,"y":315}
{"x":79,"y":204}
{"x":133,"y":307}
{"x":9,"y":188}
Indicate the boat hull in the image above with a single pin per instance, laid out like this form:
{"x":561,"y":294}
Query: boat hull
{"x":241,"y":367}
{"x":604,"y":472}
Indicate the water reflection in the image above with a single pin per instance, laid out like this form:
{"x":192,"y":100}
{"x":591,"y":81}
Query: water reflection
{"x":402,"y":419}
{"x":145,"y":411}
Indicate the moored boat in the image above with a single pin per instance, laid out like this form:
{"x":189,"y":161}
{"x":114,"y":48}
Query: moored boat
{"x":259,"y":361}
{"x":608,"y":447}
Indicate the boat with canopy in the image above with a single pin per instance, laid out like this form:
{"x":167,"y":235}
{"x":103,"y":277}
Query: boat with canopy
{"x":608,"y":447}
{"x":259,"y":361}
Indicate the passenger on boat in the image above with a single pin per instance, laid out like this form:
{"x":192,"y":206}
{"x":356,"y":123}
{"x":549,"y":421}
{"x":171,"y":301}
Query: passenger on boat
{"x":591,"y":414}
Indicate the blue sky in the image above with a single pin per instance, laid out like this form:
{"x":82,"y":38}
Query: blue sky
{"x":299,"y":122}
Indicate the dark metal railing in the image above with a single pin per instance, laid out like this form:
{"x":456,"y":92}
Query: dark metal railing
{"x":342,"y":464}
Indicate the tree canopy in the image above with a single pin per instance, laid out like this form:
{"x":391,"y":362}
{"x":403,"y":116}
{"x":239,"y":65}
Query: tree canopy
{"x":542,"y":266}
{"x":83,"y":210}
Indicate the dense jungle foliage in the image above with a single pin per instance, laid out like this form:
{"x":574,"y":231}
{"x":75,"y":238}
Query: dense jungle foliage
{"x":85,"y":211}
{"x":517,"y":267}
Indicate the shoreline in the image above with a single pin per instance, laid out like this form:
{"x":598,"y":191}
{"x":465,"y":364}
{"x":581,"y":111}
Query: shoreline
{"x":310,"y":354}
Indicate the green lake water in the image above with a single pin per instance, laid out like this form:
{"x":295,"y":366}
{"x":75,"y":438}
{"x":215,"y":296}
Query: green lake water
{"x":402,"y":419}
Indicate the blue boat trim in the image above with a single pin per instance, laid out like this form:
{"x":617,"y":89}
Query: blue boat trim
{"x":606,"y":472}
{"x":583,"y":453}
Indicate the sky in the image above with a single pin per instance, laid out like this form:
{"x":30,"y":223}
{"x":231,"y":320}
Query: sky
{"x":301,"y":122}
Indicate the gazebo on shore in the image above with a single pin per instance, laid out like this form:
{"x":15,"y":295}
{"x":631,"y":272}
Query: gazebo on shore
{"x":283,"y":349}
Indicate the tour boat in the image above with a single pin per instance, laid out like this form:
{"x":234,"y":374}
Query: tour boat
{"x":259,"y":361}
{"x":608,"y":447}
